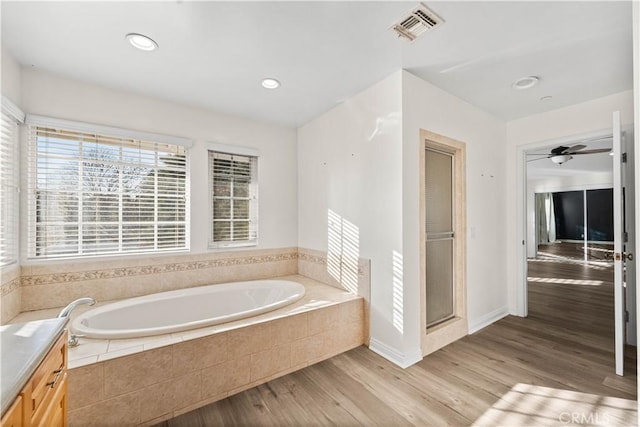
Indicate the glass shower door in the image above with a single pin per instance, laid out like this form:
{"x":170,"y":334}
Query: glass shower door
{"x":440,"y":235}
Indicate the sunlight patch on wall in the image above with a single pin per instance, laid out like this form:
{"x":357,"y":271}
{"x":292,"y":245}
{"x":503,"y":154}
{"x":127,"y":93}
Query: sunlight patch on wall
{"x":343,"y":252}
{"x":398,"y":292}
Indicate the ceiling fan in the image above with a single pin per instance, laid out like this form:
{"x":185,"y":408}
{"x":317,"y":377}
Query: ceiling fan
{"x":562,"y":154}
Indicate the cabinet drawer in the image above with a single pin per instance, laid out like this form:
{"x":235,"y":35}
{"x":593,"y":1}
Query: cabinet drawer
{"x":13,"y":416}
{"x":54,"y":415}
{"x":48,"y":379}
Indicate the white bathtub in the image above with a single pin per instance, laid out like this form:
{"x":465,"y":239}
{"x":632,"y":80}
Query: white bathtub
{"x":186,"y":309}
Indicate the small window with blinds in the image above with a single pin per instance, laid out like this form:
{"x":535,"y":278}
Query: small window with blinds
{"x":92,"y":194}
{"x":9,"y":178}
{"x":234,"y":199}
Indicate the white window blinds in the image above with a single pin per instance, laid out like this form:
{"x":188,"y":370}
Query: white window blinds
{"x":234,"y":199}
{"x":9,"y":178}
{"x":93,"y":194}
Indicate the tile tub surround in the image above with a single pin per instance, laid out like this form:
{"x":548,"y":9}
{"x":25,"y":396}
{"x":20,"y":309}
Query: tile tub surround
{"x":56,"y":283}
{"x":129,"y":383}
{"x":334,"y":271}
{"x":10,"y":292}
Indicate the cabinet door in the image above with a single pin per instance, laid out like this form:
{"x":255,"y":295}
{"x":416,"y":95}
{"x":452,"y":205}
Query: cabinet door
{"x":55,"y":414}
{"x":13,"y":416}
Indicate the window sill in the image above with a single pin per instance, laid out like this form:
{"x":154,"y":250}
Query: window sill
{"x":231,"y":245}
{"x":104,"y":257}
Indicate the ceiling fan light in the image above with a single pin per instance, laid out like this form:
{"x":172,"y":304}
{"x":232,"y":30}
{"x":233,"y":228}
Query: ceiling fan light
{"x":560,"y":159}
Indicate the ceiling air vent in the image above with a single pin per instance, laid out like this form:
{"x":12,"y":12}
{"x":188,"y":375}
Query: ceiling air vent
{"x":418,"y":21}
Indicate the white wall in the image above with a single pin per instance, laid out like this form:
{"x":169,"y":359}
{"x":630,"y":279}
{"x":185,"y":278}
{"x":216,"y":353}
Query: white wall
{"x":573,"y":121}
{"x":360,"y":160}
{"x":11,"y":82}
{"x":350,"y":163}
{"x":50,"y":95}
{"x":576,"y":119}
{"x":428,"y":107}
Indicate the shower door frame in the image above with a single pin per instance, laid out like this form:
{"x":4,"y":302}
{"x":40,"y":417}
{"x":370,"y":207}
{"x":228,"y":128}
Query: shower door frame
{"x":450,"y":330}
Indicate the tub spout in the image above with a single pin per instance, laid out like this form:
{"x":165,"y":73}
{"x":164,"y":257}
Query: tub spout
{"x":68,"y":309}
{"x":66,"y":312}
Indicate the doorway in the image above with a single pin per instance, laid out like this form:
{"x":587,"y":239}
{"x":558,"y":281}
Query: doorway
{"x":576,"y":254}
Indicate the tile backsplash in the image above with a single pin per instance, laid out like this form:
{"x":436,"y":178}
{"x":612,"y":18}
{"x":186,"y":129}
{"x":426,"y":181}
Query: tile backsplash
{"x":55,"y":284}
{"x":10,"y":292}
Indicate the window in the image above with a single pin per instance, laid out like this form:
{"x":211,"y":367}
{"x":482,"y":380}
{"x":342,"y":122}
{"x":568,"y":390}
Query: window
{"x":9,"y":179}
{"x":234,"y":199}
{"x":96,"y":193}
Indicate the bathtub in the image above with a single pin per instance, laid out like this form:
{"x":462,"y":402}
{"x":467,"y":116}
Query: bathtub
{"x":185,"y":309}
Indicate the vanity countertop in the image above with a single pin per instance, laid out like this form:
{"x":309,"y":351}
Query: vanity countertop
{"x":23,"y":347}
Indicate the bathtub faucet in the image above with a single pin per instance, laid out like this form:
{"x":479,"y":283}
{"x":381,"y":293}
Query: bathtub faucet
{"x":66,"y":312}
{"x":68,"y":309}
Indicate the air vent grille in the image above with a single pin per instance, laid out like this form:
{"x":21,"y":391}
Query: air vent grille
{"x":418,"y":21}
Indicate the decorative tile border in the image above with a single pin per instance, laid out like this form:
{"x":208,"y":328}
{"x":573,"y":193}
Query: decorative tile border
{"x":45,"y":279}
{"x":322,"y":260}
{"x":10,"y":286}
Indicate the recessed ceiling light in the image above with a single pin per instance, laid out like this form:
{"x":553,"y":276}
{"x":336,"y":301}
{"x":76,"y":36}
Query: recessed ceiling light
{"x":270,"y":83}
{"x":525,"y":82}
{"x":546,"y":98}
{"x":141,"y":42}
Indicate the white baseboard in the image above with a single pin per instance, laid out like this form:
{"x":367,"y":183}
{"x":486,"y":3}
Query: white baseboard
{"x":488,"y":319}
{"x":395,"y":356}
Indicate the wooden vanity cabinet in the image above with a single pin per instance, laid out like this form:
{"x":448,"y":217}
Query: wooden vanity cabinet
{"x":13,"y":417}
{"x":43,"y":400}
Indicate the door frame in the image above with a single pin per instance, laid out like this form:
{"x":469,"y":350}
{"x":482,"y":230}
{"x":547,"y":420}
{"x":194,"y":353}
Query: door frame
{"x":457,"y":327}
{"x":521,"y":288}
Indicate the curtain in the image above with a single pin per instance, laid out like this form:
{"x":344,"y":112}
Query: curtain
{"x":545,"y":218}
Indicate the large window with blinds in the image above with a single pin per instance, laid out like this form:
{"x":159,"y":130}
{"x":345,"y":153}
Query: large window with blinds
{"x":233,"y":190}
{"x":9,"y":178}
{"x":98,"y":194}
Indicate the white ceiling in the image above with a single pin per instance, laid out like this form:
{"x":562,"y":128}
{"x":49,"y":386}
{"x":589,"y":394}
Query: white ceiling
{"x":214,"y":54}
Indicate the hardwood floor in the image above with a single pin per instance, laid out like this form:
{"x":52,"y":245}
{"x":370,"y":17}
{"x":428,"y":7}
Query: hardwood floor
{"x":576,"y":251}
{"x":553,"y":368}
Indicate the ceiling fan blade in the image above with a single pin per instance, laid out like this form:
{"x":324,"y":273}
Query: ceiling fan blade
{"x":575,"y":148}
{"x":599,"y":150}
{"x":539,"y":158}
{"x":539,"y":154}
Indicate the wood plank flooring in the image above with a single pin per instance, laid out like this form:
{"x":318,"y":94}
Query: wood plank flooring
{"x":553,"y":368}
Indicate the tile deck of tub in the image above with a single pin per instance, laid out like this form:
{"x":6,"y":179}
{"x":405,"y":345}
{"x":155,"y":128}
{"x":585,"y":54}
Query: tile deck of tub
{"x":97,"y":350}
